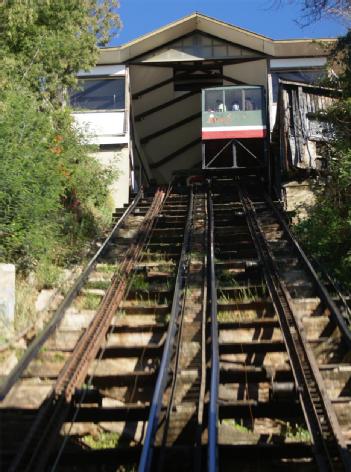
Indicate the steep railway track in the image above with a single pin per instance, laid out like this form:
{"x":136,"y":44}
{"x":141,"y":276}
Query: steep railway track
{"x":214,"y":343}
{"x":174,"y":434}
{"x":112,"y":362}
{"x":283,"y":346}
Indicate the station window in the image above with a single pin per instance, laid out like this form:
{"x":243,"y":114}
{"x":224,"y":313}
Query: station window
{"x":99,"y":94}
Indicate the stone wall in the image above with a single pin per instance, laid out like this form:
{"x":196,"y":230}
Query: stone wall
{"x":299,"y":196}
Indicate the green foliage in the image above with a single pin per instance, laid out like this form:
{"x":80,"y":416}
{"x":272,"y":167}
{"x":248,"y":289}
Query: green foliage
{"x":48,"y":275}
{"x":239,"y":427}
{"x":88,"y":301}
{"x":51,"y":185}
{"x":30,"y":177}
{"x":48,"y":42}
{"x":296,"y":432}
{"x":104,"y":440}
{"x":25,"y":304}
{"x":53,"y":193}
{"x":327,"y":231}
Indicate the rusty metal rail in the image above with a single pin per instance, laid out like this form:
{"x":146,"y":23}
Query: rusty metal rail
{"x":87,"y":348}
{"x":33,"y":454}
{"x":329,"y":445}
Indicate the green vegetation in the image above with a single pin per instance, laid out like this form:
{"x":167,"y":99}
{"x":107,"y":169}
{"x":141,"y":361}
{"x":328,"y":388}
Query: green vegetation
{"x":54,"y":193}
{"x":48,"y":275}
{"x":237,"y":426}
{"x":52,"y":188}
{"x":45,"y":44}
{"x":140,"y":283}
{"x":99,"y":284}
{"x":244,"y":294}
{"x":104,"y":440}
{"x":326,"y":233}
{"x":107,"y":268}
{"x":25,"y":304}
{"x":58,"y":357}
{"x":295,"y":432}
{"x":88,"y":301}
{"x":236,"y":316}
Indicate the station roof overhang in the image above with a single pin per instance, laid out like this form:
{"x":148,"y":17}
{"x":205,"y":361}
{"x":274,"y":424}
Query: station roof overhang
{"x":136,"y":50}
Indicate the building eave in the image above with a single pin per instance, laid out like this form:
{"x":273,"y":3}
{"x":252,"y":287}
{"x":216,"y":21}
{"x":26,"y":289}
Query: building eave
{"x":225,"y":31}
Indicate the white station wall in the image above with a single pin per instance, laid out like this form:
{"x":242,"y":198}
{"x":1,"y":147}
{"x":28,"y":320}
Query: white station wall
{"x":103,"y":127}
{"x":109,"y":128}
{"x":119,"y":159}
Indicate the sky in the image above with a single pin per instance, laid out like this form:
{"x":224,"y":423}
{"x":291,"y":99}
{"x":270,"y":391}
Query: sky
{"x":265,"y":17}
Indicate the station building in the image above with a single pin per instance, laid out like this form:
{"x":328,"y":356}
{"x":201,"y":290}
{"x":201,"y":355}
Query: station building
{"x":142,"y":102}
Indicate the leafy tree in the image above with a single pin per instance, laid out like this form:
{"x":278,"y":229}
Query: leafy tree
{"x":47,"y":42}
{"x":53,"y":192}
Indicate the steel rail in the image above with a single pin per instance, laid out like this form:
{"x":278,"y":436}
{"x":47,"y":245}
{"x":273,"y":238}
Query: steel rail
{"x":323,"y":292}
{"x":212,"y":452}
{"x":162,"y":378}
{"x":35,"y":346}
{"x":35,"y":449}
{"x":329,"y":445}
{"x":339,"y":291}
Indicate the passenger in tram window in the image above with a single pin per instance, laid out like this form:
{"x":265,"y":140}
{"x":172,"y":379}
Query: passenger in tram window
{"x":220,"y":106}
{"x":236,"y":106}
{"x":248,"y":104}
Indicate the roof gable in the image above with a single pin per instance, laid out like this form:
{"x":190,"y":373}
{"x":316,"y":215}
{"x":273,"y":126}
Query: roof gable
{"x":199,"y":23}
{"x":197,"y":46}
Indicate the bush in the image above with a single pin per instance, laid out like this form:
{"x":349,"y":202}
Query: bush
{"x":327,"y":231}
{"x":326,"y":234}
{"x":52,"y":189}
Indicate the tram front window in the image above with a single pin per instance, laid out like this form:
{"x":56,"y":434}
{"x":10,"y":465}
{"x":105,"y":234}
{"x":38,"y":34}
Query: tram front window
{"x":214,"y":101}
{"x":253,"y":99}
{"x":243,"y":99}
{"x":234,"y":99}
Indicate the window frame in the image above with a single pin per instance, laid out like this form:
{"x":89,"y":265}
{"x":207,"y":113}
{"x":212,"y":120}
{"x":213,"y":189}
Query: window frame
{"x":101,"y":110}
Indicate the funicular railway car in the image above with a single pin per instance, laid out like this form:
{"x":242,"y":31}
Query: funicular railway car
{"x":234,"y":127}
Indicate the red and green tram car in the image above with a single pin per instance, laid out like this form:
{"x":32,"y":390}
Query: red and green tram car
{"x":234,"y":127}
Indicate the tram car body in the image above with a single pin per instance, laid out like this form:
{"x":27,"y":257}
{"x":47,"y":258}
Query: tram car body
{"x":233,"y":112}
{"x":234,"y":127}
